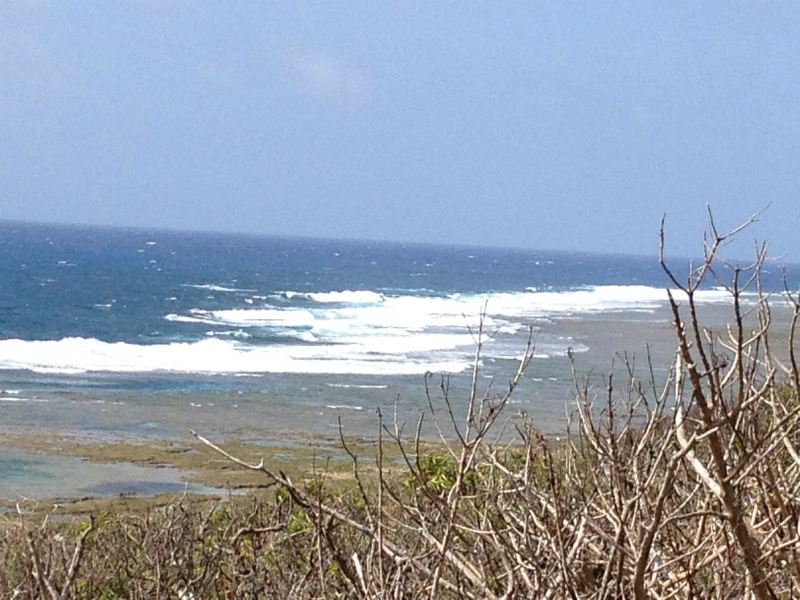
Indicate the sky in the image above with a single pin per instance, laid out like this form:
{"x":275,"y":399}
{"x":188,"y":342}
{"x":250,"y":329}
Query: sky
{"x":545,"y":125}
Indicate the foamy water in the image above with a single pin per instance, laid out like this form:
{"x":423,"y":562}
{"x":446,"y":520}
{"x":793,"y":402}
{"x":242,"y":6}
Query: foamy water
{"x":347,"y":332}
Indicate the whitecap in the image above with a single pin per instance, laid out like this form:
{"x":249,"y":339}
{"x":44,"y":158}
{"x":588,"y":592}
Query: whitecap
{"x":341,"y":297}
{"x":209,"y":356}
{"x":360,"y":387}
{"x":258,"y":317}
{"x":237,"y":334}
{"x":303,"y":336}
{"x":212,"y":287}
{"x":189,"y":319}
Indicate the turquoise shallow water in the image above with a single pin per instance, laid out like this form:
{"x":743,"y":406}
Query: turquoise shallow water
{"x":26,"y":476}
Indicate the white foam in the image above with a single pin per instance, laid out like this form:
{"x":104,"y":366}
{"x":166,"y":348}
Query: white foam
{"x":372,"y":329}
{"x":258,"y":317}
{"x":343,"y":297}
{"x":348,"y":296}
{"x":237,"y":334}
{"x":23,"y":400}
{"x":607,"y":298}
{"x":188,"y":319}
{"x":212,"y":287}
{"x":209,"y":356}
{"x":360,"y":387}
{"x":351,"y":332}
{"x":303,"y":336}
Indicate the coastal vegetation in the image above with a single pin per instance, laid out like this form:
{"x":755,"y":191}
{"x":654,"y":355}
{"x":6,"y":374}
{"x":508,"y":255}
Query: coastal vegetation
{"x":684,"y":486}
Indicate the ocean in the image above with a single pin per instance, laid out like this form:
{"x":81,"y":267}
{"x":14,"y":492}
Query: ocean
{"x":109,"y":333}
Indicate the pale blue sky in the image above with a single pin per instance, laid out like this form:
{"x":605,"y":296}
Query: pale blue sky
{"x":550,"y":125}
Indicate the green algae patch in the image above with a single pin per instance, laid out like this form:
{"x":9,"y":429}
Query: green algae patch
{"x":195,"y":464}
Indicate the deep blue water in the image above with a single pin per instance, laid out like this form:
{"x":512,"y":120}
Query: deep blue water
{"x":117,"y":285}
